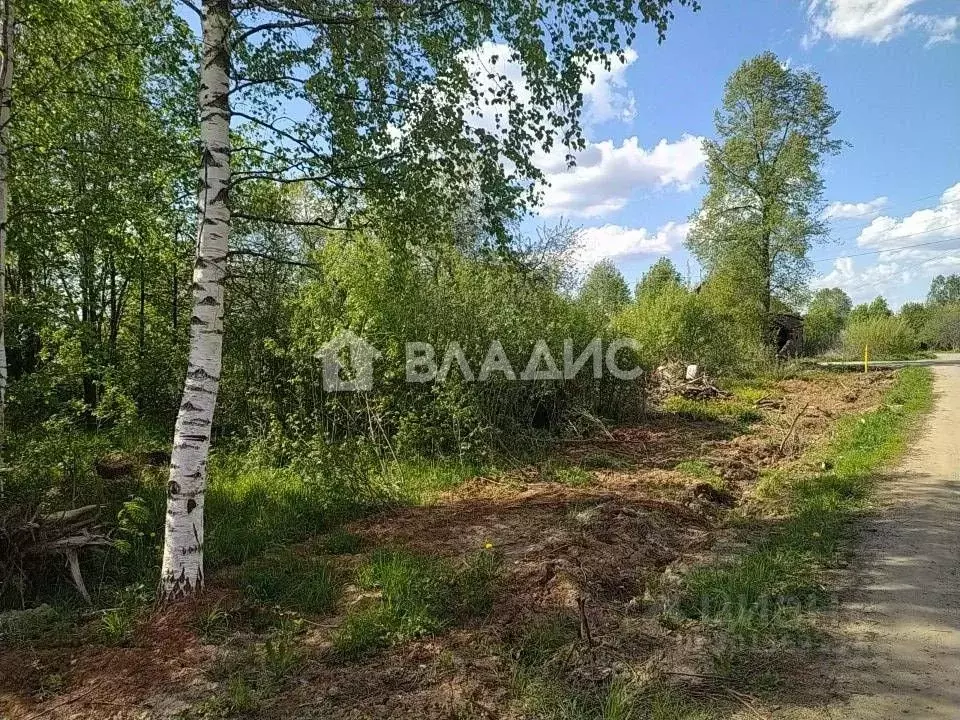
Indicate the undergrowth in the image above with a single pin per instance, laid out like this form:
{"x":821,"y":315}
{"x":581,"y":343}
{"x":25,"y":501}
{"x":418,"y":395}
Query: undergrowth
{"x":715,"y":410}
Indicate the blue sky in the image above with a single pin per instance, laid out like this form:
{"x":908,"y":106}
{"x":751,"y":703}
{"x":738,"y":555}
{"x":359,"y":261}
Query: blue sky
{"x":892,"y":69}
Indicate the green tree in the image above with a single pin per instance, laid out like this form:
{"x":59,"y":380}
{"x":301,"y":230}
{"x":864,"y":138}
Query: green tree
{"x":825,"y":318}
{"x":916,"y":315}
{"x":604,"y":292}
{"x":944,"y":290}
{"x":878,"y":308}
{"x":762,"y":211}
{"x":659,"y":275}
{"x":678,"y":325}
{"x":98,"y":181}
{"x":942,"y":330}
{"x":400,"y":123}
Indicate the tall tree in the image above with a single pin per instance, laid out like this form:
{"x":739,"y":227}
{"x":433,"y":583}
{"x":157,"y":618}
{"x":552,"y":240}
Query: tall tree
{"x":604,"y":292}
{"x":763,"y":208}
{"x":877,"y":308}
{"x":944,"y":290}
{"x":662,"y":273}
{"x":916,"y":315}
{"x":6,"y":99}
{"x":182,"y":569}
{"x":825,"y":318}
{"x":400,"y":122}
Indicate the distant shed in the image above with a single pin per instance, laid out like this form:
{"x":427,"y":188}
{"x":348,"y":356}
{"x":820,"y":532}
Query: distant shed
{"x":787,"y":332}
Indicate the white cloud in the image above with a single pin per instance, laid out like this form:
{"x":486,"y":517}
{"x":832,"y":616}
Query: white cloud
{"x":605,"y":92}
{"x":607,"y":97}
{"x":606,"y":174}
{"x":897,"y":276}
{"x":844,"y":210}
{"x":875,"y":21}
{"x":894,"y":270}
{"x":864,"y":283}
{"x":616,"y":241}
{"x":939,"y":222}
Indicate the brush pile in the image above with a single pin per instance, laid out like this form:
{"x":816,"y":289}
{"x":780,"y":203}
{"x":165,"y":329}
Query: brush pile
{"x":29,"y":539}
{"x":687,"y":381}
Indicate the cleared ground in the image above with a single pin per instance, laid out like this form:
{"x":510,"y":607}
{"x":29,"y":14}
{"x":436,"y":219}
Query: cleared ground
{"x":583,"y":544}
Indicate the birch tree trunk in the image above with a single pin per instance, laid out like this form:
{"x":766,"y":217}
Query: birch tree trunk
{"x":182,"y":572}
{"x":6,"y":100}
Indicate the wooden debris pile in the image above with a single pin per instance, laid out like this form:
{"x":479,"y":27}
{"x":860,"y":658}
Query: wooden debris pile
{"x":29,"y":538}
{"x":687,"y":381}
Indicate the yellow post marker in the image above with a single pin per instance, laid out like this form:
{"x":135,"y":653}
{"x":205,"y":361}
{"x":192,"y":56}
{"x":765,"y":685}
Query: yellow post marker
{"x":866,"y":358}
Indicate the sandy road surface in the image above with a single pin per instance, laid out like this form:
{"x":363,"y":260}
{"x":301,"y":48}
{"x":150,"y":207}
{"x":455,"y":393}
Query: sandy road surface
{"x":904,"y":618}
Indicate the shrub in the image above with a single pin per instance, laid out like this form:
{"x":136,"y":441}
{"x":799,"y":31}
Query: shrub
{"x":942,"y":328}
{"x":675,"y":324}
{"x":886,"y":337}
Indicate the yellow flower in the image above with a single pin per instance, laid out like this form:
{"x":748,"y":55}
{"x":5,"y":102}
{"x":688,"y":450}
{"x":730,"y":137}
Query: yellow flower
{"x":487,"y":545}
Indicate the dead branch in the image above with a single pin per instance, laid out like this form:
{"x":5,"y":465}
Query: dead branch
{"x":793,"y":424}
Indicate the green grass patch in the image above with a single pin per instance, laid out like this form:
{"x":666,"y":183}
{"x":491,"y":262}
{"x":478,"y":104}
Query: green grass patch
{"x":545,"y":641}
{"x":293,"y":582}
{"x":558,"y":471}
{"x":418,"y":595}
{"x":41,"y":626}
{"x":341,"y":542}
{"x":419,"y":481}
{"x":711,"y":410}
{"x":762,"y":594}
{"x":573,"y":476}
{"x":543,"y":686}
{"x":600,"y":460}
{"x":551,"y":698}
{"x":701,"y":471}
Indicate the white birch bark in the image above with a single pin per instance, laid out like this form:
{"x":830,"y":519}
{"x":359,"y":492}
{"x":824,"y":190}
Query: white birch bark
{"x":182,"y":572}
{"x":6,"y":100}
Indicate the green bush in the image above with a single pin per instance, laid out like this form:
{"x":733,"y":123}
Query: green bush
{"x":942,"y":328}
{"x":676,"y":324}
{"x":888,"y":338}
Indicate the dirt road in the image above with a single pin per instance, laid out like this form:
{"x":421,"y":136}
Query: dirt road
{"x":904,"y":618}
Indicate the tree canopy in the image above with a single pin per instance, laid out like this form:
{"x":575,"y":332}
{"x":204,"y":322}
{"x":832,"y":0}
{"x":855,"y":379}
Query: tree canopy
{"x":659,"y":275}
{"x":762,"y":210}
{"x":944,"y":290}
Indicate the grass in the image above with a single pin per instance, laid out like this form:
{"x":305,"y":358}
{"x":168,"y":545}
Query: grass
{"x":41,"y":626}
{"x":552,"y":698}
{"x":701,"y":471}
{"x":545,"y":640}
{"x":419,"y":595}
{"x":249,"y":674}
{"x":341,"y":542}
{"x":711,"y":410}
{"x":293,"y":582}
{"x":419,"y":481}
{"x":762,"y":594}
{"x":542,"y":655}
